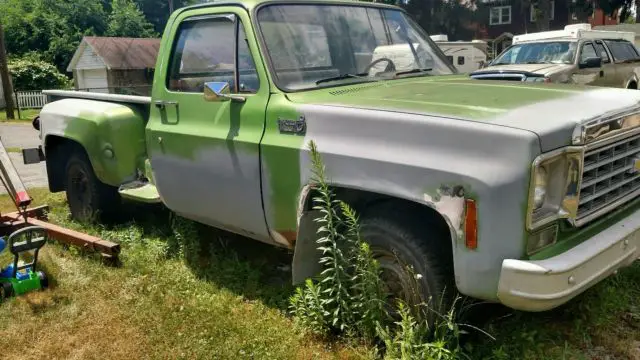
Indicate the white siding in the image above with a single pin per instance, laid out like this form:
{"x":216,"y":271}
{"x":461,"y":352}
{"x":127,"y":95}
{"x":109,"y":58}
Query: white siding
{"x":89,"y":60}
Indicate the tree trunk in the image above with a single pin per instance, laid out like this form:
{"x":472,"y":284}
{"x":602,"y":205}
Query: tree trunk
{"x":637,"y":11}
{"x":4,"y":77}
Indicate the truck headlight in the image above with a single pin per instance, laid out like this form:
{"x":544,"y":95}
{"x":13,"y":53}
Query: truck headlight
{"x":538,"y":79}
{"x":555,"y":187}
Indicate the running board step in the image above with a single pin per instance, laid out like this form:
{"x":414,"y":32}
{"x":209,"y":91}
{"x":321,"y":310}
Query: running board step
{"x":140,"y":191}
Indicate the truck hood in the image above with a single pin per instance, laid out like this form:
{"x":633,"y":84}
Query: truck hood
{"x":538,"y":69}
{"x":552,"y":111}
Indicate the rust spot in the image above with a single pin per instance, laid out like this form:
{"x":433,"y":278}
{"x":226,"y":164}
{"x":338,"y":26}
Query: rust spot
{"x":290,"y":235}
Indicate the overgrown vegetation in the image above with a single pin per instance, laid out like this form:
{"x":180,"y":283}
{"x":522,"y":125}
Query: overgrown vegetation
{"x":348,"y":299}
{"x":32,"y":74}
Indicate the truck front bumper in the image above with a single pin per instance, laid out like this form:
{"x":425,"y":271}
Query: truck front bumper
{"x":545,"y":284}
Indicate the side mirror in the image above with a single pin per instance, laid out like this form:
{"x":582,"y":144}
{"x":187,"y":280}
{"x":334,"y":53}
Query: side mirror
{"x":592,"y":62}
{"x":215,"y":91}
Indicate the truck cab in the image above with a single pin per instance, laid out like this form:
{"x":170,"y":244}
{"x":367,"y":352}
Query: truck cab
{"x":476,"y":185}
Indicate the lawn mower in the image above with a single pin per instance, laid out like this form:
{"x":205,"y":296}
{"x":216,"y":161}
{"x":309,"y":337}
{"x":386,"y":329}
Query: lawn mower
{"x":27,"y":230}
{"x":19,"y":277}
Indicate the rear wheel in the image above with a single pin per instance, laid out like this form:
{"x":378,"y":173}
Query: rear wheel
{"x":44,"y":280}
{"x":89,"y":199}
{"x":416,"y":266}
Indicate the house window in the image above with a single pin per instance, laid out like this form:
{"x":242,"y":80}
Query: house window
{"x":500,"y":15}
{"x":533,"y":8}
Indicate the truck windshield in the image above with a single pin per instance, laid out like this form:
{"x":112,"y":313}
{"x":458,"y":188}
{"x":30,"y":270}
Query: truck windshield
{"x":552,"y":52}
{"x":312,"y":46}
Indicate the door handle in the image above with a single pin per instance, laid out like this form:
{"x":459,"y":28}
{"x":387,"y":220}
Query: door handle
{"x":162,"y":104}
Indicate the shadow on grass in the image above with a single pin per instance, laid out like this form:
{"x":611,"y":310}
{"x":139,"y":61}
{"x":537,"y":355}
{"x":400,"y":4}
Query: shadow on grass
{"x":247,"y":267}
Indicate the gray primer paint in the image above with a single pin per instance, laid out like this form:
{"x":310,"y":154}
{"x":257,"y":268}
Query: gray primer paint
{"x":555,"y":120}
{"x":409,"y":156}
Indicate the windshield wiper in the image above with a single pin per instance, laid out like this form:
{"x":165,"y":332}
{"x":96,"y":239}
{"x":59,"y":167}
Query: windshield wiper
{"x":342,"y":77}
{"x":412,"y":71}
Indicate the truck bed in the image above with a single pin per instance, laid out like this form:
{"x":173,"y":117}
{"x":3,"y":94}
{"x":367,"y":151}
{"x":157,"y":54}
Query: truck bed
{"x":127,"y":99}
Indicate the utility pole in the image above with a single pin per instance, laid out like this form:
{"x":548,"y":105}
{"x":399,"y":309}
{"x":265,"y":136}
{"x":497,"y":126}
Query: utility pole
{"x":170,"y":7}
{"x":4,"y":77}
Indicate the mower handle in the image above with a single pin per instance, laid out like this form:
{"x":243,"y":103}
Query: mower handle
{"x":31,"y":242}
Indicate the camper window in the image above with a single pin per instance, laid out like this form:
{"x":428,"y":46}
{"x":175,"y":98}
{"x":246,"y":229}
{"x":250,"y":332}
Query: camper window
{"x":460,"y":60}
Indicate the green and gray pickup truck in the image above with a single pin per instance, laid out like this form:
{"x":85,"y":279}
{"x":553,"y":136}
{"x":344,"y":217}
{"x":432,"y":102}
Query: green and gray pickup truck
{"x":520,"y":193}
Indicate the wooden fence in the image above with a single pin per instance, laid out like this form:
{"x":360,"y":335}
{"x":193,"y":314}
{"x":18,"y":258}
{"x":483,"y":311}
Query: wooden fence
{"x":30,"y":99}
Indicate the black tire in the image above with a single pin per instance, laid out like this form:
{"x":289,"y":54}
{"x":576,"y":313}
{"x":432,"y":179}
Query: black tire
{"x":44,"y":280}
{"x":89,"y":199}
{"x":6,"y":290}
{"x":400,"y":244}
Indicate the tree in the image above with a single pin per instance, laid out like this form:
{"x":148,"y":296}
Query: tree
{"x":127,"y":20}
{"x":157,"y":11}
{"x":4,"y":77}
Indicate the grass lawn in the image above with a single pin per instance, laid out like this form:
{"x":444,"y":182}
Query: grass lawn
{"x":25,"y":115}
{"x":184,"y":291}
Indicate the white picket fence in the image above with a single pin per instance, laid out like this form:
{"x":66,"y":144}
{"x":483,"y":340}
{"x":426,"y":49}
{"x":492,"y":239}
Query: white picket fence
{"x":30,"y":99}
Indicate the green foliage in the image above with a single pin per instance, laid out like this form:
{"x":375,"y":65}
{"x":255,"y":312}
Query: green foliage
{"x":126,"y":20}
{"x":30,"y":74}
{"x":348,"y":298}
{"x":416,"y":338}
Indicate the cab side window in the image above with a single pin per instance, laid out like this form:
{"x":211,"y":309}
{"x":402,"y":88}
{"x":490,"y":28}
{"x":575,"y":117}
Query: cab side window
{"x":602,"y":52}
{"x":588,"y":51}
{"x":205,"y":51}
{"x":622,"y":50}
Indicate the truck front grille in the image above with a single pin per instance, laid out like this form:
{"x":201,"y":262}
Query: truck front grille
{"x":609,"y":177}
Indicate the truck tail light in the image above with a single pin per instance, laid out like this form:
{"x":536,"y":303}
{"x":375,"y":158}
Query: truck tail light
{"x":471,"y":224}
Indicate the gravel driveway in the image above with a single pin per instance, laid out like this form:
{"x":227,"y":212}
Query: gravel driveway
{"x":23,"y":136}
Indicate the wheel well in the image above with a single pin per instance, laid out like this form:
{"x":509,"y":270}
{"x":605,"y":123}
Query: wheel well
{"x":415,"y":216}
{"x":632,"y":85}
{"x":57,"y":150}
{"x":363,"y":202}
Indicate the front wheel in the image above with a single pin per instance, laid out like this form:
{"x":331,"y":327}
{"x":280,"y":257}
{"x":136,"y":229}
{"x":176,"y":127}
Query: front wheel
{"x":416,"y":267}
{"x":89,"y":199}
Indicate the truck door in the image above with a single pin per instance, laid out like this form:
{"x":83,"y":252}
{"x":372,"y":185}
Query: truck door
{"x":588,"y":75}
{"x":608,"y":67}
{"x":204,"y":154}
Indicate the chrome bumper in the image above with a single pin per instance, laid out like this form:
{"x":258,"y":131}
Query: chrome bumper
{"x":545,"y":284}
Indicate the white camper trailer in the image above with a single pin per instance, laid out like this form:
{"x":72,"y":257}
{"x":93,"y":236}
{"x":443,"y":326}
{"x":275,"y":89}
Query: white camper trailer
{"x":466,"y":56}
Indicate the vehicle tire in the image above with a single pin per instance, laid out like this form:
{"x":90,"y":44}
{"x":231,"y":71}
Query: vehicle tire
{"x":416,"y":266}
{"x":89,"y":199}
{"x":6,"y":290}
{"x":44,"y":280}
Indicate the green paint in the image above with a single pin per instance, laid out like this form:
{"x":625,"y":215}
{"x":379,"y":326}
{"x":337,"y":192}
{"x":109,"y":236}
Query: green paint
{"x":569,"y":237}
{"x":447,"y":95}
{"x":120,"y":129}
{"x":281,"y":155}
{"x":147,"y":194}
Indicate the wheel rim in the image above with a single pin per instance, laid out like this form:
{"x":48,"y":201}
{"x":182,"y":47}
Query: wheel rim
{"x":79,"y":191}
{"x":398,"y":282}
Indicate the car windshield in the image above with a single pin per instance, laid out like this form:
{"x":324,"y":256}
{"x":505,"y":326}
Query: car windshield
{"x":553,"y":52}
{"x":311,"y":46}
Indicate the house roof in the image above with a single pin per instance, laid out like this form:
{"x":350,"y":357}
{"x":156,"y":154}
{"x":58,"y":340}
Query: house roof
{"x":119,"y":52}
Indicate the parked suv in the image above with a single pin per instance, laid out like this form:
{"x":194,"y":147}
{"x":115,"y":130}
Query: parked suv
{"x":576,"y":55}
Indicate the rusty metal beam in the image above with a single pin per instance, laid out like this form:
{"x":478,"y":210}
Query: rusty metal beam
{"x":65,"y":235}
